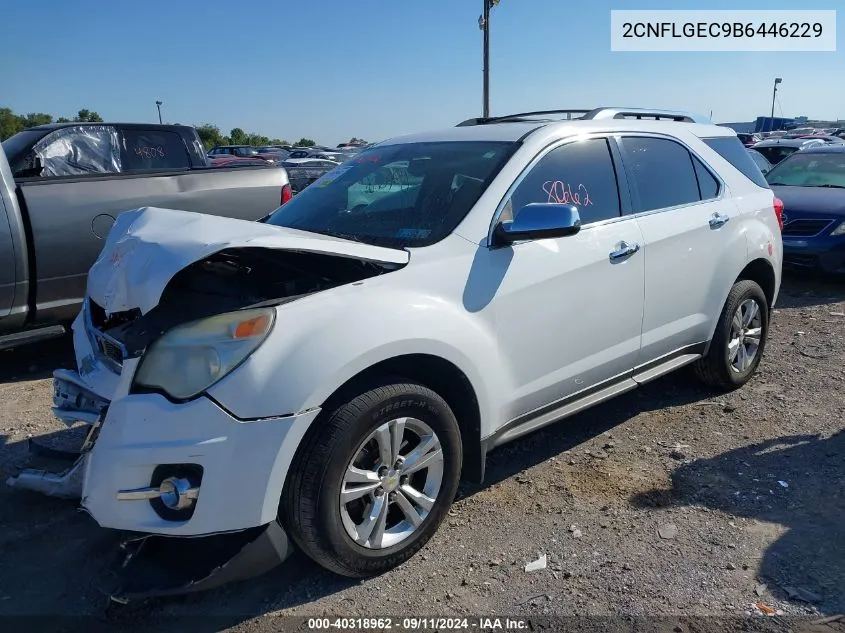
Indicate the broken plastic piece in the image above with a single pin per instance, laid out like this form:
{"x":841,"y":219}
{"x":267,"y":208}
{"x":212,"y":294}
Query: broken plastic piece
{"x":65,"y":485}
{"x":154,"y":566}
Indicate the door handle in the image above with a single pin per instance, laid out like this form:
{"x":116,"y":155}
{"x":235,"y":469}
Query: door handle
{"x":718,"y":220}
{"x":623,"y":249}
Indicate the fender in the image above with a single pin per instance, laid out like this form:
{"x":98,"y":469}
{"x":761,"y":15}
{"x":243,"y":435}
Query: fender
{"x":332,"y":336}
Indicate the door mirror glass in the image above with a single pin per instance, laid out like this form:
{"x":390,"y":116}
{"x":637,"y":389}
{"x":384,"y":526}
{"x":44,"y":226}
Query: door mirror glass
{"x":538,"y":221}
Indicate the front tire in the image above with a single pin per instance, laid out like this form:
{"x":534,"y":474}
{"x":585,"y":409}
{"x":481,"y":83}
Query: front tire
{"x":739,"y":340}
{"x":373,"y":479}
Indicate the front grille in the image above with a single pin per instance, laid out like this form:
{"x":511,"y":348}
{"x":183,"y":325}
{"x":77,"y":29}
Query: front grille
{"x":106,"y":348}
{"x":805,"y":228}
{"x":109,"y":349}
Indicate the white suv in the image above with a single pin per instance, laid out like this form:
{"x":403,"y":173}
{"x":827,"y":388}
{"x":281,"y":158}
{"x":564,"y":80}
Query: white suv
{"x":335,"y":369}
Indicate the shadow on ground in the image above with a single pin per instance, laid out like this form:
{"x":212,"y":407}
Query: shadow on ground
{"x":797,"y":482}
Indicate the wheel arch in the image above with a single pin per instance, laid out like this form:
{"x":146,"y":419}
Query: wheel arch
{"x":441,"y":376}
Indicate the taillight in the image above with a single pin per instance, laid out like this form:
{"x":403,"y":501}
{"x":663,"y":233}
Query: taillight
{"x":778,"y":204}
{"x":287,"y":194}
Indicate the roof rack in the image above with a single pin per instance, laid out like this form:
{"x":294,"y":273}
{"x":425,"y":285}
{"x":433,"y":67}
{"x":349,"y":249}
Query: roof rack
{"x":595,"y":114}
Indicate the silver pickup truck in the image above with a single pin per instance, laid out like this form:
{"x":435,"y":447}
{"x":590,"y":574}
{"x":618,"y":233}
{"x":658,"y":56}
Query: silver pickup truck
{"x":63,"y":185}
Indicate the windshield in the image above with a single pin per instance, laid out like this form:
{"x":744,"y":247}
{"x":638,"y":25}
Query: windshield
{"x":401,"y":195}
{"x":810,"y":170}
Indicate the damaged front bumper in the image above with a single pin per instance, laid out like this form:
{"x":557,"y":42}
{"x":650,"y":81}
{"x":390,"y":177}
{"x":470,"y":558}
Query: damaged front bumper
{"x":140,"y":450}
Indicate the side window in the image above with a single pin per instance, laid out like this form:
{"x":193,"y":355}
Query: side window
{"x":708,"y":186}
{"x":79,"y":151}
{"x":154,"y":149}
{"x":731,"y":149}
{"x":662,"y":171}
{"x":580,"y":174}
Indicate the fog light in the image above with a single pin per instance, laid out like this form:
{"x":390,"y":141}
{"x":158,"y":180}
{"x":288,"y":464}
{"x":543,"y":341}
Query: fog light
{"x":177,"y":494}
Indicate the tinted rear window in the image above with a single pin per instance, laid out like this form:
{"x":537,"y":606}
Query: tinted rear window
{"x":154,"y":149}
{"x":731,"y":149}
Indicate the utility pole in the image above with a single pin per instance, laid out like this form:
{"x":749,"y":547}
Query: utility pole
{"x":774,"y":94}
{"x":158,"y":105}
{"x":484,"y":25}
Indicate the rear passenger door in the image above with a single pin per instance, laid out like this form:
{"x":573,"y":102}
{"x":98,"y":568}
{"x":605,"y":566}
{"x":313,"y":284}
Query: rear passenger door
{"x":690,"y":246}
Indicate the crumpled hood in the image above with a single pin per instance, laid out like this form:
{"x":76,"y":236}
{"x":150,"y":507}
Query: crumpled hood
{"x":146,"y":247}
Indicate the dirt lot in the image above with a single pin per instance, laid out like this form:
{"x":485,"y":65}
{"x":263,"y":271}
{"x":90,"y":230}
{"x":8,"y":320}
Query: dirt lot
{"x":671,"y":501}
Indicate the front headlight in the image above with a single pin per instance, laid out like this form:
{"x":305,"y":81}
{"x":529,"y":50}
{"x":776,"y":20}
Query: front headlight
{"x":839,"y":230}
{"x":191,"y":357}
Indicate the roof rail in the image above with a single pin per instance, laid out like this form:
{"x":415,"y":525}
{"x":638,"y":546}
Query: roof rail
{"x":645,"y":113}
{"x":595,"y":114}
{"x":526,"y":116}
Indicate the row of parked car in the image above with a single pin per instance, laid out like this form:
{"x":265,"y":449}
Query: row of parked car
{"x":303,"y":164}
{"x":770,"y":148}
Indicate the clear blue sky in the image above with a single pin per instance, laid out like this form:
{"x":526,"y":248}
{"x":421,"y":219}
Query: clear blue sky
{"x":332,"y":69}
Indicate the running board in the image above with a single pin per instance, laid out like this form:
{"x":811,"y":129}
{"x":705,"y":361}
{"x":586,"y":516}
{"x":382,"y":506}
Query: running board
{"x":577,"y":403}
{"x":8,"y":341}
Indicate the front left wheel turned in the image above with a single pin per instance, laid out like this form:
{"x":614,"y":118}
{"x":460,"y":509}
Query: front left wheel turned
{"x":372,"y":482}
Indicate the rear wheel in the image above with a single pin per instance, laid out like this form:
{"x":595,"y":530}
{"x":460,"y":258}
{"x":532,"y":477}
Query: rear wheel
{"x":739,"y":340}
{"x":371,"y":484}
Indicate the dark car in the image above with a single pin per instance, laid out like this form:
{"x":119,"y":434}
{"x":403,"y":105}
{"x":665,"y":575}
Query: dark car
{"x":749,"y":139}
{"x":811,"y":184}
{"x":761,"y":161}
{"x":775,"y":150}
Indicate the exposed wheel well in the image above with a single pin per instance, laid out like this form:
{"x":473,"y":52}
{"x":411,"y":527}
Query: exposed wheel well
{"x":761,"y":271}
{"x":442,"y":377}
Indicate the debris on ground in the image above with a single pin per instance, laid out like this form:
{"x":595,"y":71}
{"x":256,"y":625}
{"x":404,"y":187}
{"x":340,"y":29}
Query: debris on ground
{"x":804,"y":595}
{"x":667,"y":531}
{"x":760,"y":588}
{"x":537,"y":565}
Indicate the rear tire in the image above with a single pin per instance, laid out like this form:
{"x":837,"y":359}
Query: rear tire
{"x":739,"y":340}
{"x":394,"y":453}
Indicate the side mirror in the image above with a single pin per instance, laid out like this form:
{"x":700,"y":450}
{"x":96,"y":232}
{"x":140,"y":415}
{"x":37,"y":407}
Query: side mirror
{"x":538,"y":221}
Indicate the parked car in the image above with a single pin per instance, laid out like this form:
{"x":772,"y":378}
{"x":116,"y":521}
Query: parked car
{"x":775,"y":150}
{"x":276,"y":152}
{"x":328,"y":375}
{"x":811,"y":184}
{"x":761,"y":161}
{"x":239,"y":151}
{"x":237,"y":161}
{"x":66,"y":185}
{"x":749,"y":139}
{"x":304,"y":171}
{"x":827,"y":138}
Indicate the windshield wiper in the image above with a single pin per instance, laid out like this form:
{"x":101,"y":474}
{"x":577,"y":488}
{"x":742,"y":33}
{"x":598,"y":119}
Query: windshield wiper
{"x":829,"y":186}
{"x":345,"y":236}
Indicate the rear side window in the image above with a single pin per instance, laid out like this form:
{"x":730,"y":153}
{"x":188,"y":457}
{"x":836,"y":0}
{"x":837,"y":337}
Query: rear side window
{"x":154,"y":149}
{"x":580,"y":174}
{"x":708,"y":186}
{"x":731,"y":149}
{"x":662,"y":171}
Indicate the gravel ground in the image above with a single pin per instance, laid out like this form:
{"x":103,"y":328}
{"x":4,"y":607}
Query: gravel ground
{"x":668,"y":502}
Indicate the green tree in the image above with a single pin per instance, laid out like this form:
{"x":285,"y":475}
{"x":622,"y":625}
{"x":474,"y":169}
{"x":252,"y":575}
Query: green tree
{"x":87,"y":116}
{"x":10,"y":123}
{"x":37,"y":118}
{"x":305,"y":142}
{"x":210,"y":135}
{"x":63,"y":119}
{"x":238,"y":136}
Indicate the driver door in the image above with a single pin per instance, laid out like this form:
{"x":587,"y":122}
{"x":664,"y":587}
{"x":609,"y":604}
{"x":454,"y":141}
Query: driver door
{"x":569,"y":310}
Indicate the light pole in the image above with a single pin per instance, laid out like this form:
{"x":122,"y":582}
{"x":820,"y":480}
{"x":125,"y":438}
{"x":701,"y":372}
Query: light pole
{"x":484,"y":25}
{"x":774,"y":94}
{"x":158,"y":105}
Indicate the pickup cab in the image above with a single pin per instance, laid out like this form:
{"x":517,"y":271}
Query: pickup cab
{"x":63,"y":185}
